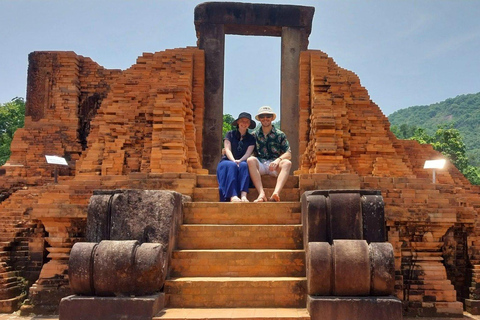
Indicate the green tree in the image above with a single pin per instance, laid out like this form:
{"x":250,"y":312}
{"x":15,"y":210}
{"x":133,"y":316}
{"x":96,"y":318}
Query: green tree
{"x":472,"y":174}
{"x":227,"y":123}
{"x":449,"y":142}
{"x":462,"y":111}
{"x":12,"y":117}
{"x":403,"y":131}
{"x":421,"y":136}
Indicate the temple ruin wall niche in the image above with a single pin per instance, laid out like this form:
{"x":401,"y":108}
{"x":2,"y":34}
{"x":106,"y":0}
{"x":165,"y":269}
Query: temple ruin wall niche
{"x":63,"y":92}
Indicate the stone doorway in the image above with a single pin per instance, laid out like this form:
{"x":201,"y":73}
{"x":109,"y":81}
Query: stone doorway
{"x":213,"y":20}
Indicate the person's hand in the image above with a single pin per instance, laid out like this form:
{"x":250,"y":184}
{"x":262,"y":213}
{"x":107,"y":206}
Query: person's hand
{"x":274,"y":164}
{"x":238,"y":162}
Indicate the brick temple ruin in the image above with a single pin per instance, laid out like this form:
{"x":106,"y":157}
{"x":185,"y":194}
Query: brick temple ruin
{"x":157,"y":126}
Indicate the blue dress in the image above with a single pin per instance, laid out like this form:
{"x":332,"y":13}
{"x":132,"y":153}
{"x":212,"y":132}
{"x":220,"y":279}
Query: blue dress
{"x":233,"y":179}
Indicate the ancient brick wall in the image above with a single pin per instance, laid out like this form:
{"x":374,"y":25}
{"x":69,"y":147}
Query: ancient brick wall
{"x":64,"y":91}
{"x":432,"y":227}
{"x":147,"y":119}
{"x":142,"y":128}
{"x":345,"y":130}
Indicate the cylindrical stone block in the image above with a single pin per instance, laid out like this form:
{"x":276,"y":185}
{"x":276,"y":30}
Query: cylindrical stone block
{"x":345,"y":216}
{"x":314,"y":218}
{"x":113,"y":267}
{"x":373,"y":215}
{"x":319,"y":269}
{"x":383,"y":269}
{"x":351,"y":267}
{"x":117,"y":268}
{"x":80,"y":268}
{"x":150,"y":268}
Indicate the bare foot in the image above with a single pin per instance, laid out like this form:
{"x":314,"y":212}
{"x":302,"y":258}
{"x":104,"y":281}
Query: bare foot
{"x":261,"y":198}
{"x":274,"y":198}
{"x":235,"y":199}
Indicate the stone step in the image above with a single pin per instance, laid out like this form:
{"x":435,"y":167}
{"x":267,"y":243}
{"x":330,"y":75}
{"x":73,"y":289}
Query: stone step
{"x":13,"y":283}
{"x":231,"y":292}
{"x":211,"y":194}
{"x":242,"y":213}
{"x":5,"y":244}
{"x":7,"y":219}
{"x":9,"y":274}
{"x":11,"y":230}
{"x":8,"y":234}
{"x":11,"y":239}
{"x":210,"y":181}
{"x":5,"y":282}
{"x":208,"y":236}
{"x":233,"y":314}
{"x":238,"y":263}
{"x":19,"y":248}
{"x":10,"y":305}
{"x":11,"y":292}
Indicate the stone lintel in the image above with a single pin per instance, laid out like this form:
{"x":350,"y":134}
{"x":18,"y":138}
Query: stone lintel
{"x":254,"y":19}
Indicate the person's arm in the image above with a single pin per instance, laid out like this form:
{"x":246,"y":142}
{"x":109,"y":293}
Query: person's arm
{"x":247,"y":154}
{"x":228,"y":150}
{"x":285,"y":156}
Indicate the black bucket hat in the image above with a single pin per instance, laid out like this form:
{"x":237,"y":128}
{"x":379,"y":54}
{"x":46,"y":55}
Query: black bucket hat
{"x":245,"y":115}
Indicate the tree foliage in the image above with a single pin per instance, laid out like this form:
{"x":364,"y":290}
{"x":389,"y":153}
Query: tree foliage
{"x":227,"y":123}
{"x":462,"y":112}
{"x":12,"y":117}
{"x":404,"y":131}
{"x":449,"y":142}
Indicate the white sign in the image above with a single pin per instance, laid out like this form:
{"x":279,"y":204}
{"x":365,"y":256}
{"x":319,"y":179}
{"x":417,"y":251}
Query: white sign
{"x":56,"y":160}
{"x":434,"y":164}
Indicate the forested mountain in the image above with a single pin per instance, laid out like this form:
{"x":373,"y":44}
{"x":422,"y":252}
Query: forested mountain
{"x":463,"y":112}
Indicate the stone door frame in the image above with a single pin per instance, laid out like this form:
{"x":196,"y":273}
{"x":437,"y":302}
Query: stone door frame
{"x":213,"y":20}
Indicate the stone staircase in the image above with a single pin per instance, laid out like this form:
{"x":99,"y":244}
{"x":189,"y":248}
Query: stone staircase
{"x":238,"y":260}
{"x":14,"y":259}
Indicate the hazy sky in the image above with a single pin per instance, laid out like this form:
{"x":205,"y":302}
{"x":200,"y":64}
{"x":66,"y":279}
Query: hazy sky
{"x":405,"y":52}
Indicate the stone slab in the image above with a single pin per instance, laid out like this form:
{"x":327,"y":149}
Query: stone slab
{"x":111,"y":308}
{"x":472,"y":306}
{"x":254,"y":19}
{"x":354,"y":308}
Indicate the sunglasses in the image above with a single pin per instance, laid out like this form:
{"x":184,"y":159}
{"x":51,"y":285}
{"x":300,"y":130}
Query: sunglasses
{"x":265,"y":116}
{"x":240,"y":146}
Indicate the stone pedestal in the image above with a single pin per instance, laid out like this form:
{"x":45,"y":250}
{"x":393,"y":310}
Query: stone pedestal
{"x":354,"y":308}
{"x":472,"y":306}
{"x":52,"y":284}
{"x":111,"y":308}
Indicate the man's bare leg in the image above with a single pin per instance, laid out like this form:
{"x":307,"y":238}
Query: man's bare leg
{"x":284,"y":166}
{"x":254,"y":170}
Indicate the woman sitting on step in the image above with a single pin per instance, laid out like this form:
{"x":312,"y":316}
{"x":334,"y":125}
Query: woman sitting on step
{"x":232,"y":171}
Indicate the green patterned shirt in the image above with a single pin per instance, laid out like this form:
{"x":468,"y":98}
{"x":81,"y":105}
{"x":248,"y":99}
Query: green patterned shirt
{"x":271,"y":146}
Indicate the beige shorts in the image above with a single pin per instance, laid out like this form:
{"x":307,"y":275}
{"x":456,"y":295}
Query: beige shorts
{"x":264,"y":168}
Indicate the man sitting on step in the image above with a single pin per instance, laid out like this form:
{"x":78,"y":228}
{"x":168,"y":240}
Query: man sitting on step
{"x":273,"y":155}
